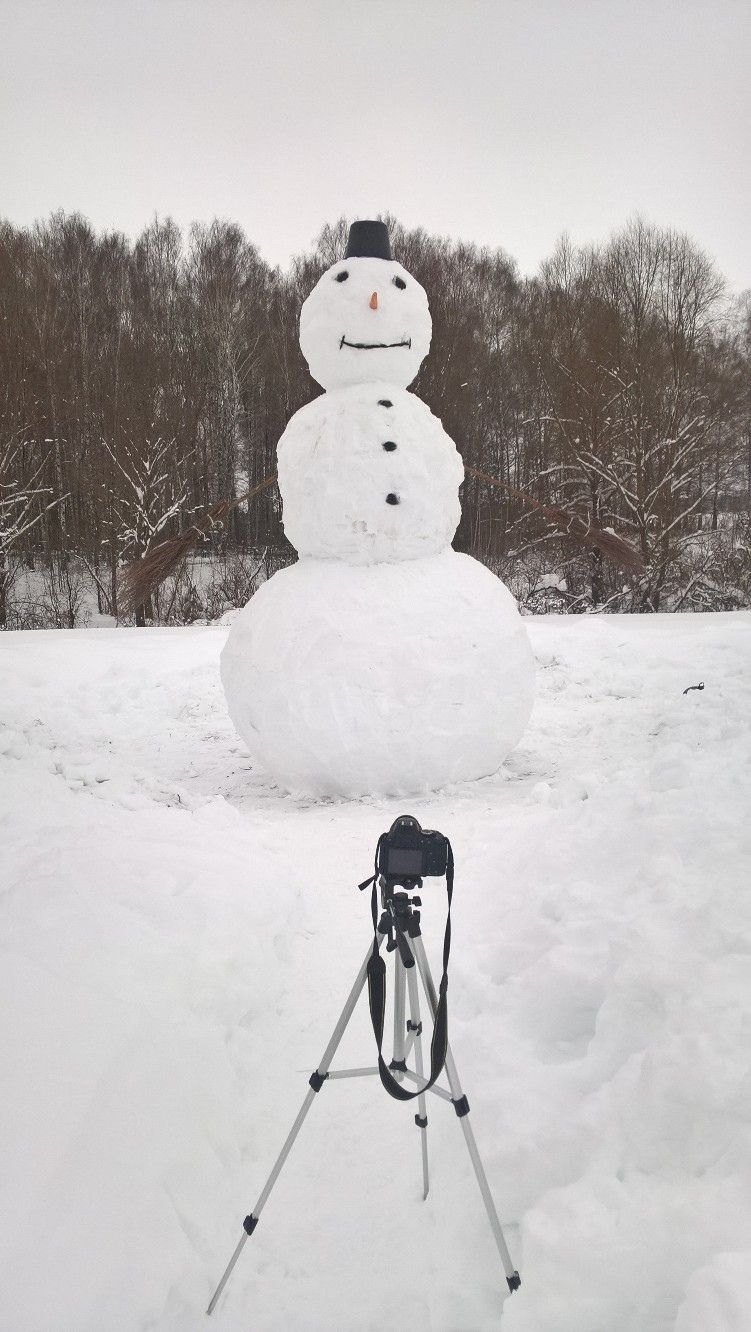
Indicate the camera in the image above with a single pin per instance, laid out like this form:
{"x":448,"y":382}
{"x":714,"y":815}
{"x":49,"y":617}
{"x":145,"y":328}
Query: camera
{"x":408,"y":851}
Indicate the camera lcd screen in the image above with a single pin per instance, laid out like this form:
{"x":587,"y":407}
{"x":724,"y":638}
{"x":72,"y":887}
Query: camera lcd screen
{"x":405,"y":860}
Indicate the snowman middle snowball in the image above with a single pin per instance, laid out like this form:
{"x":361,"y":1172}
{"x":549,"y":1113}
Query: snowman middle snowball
{"x":368,"y":474}
{"x":383,"y":662}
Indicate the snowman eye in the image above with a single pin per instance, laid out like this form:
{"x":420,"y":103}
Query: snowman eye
{"x":400,"y":283}
{"x":342,"y":277}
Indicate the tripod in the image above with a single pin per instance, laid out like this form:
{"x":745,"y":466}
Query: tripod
{"x":400,"y":925}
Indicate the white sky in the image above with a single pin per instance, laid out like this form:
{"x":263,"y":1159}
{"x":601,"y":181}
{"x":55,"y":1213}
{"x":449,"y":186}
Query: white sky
{"x":500,"y":121}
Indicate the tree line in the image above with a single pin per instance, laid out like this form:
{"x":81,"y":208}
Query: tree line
{"x":143,"y":381}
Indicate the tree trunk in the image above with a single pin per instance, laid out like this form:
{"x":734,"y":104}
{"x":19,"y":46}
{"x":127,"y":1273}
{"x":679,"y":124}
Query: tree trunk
{"x":3,"y":591}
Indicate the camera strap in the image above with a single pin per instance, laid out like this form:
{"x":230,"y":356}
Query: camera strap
{"x":377,"y":994}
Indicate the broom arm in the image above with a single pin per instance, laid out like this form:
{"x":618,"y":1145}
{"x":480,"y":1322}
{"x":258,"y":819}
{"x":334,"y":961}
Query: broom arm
{"x":140,"y":578}
{"x":220,"y":510}
{"x":612,"y":546}
{"x":555,"y":515}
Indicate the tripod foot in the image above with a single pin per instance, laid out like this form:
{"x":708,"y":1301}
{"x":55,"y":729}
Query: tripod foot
{"x":215,"y":1297}
{"x":422,"y":1123}
{"x":514,"y":1282}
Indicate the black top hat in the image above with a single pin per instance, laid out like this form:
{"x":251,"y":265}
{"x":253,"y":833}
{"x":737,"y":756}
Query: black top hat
{"x":368,"y":240}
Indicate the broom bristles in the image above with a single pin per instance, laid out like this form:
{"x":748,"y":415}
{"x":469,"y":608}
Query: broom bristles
{"x":141,"y":578}
{"x":613,"y":547}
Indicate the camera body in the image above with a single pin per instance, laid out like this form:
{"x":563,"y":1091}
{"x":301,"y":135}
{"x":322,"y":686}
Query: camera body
{"x":408,"y":852}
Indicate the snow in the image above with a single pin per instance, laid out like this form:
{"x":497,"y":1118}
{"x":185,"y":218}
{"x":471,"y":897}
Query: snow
{"x":335,"y":475}
{"x":178,"y":938}
{"x":382,"y":679}
{"x":347,"y":338}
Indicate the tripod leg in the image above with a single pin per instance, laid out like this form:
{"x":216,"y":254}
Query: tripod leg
{"x":461,"y":1106}
{"x":421,"y":1118}
{"x":398,"y":1065}
{"x":316,"y":1082}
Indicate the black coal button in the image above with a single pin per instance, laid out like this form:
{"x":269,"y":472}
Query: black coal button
{"x":385,"y":402}
{"x":392,"y":498}
{"x":389,"y":446}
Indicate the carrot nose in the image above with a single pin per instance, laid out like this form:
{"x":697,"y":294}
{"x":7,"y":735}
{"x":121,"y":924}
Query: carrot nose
{"x":374,"y":301}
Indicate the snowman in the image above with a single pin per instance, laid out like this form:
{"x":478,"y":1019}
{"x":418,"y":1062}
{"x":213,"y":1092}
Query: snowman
{"x":383,"y":662}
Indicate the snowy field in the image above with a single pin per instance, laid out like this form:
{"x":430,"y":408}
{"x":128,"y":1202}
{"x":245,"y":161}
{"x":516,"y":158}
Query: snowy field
{"x":178,"y":938}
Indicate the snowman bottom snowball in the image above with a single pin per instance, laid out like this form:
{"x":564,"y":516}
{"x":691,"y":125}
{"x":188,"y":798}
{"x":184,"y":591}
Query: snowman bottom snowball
{"x":382,"y":679}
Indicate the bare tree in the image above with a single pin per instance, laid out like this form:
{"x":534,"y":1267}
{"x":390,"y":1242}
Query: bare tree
{"x":23,"y":504}
{"x":611,"y":391}
{"x":151,"y":494}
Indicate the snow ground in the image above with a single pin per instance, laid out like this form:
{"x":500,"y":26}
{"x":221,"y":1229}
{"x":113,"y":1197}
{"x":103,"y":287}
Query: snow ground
{"x":178,"y":937}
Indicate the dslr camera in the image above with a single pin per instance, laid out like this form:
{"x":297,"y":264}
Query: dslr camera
{"x":408,"y":851}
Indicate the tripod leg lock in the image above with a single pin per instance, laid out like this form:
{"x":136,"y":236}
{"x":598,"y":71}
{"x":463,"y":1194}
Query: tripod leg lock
{"x":421,"y":1121}
{"x":249,"y":1224}
{"x":514,"y":1282}
{"x":416,"y":1027}
{"x":461,"y":1106}
{"x":399,"y":1064}
{"x":317,"y":1080}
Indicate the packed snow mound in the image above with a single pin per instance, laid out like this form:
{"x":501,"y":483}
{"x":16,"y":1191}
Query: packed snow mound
{"x":365,"y":320}
{"x":367,"y":474}
{"x":382,"y":679}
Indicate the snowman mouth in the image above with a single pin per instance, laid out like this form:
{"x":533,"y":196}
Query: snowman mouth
{"x":373,"y":346}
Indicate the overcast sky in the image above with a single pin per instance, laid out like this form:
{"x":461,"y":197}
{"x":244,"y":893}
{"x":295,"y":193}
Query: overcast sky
{"x":500,"y":121}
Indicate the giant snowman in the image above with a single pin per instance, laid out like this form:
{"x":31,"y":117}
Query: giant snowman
{"x":382,"y":662}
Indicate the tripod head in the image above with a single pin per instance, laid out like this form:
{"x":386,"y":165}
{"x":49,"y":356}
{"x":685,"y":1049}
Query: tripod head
{"x":400,"y":917}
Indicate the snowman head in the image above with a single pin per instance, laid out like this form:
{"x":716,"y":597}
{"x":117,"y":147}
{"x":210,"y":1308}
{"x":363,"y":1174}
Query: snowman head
{"x":367,"y":318}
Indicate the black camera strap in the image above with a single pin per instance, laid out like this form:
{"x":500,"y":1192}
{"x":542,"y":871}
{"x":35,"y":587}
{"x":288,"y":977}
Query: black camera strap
{"x":377,"y":994}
